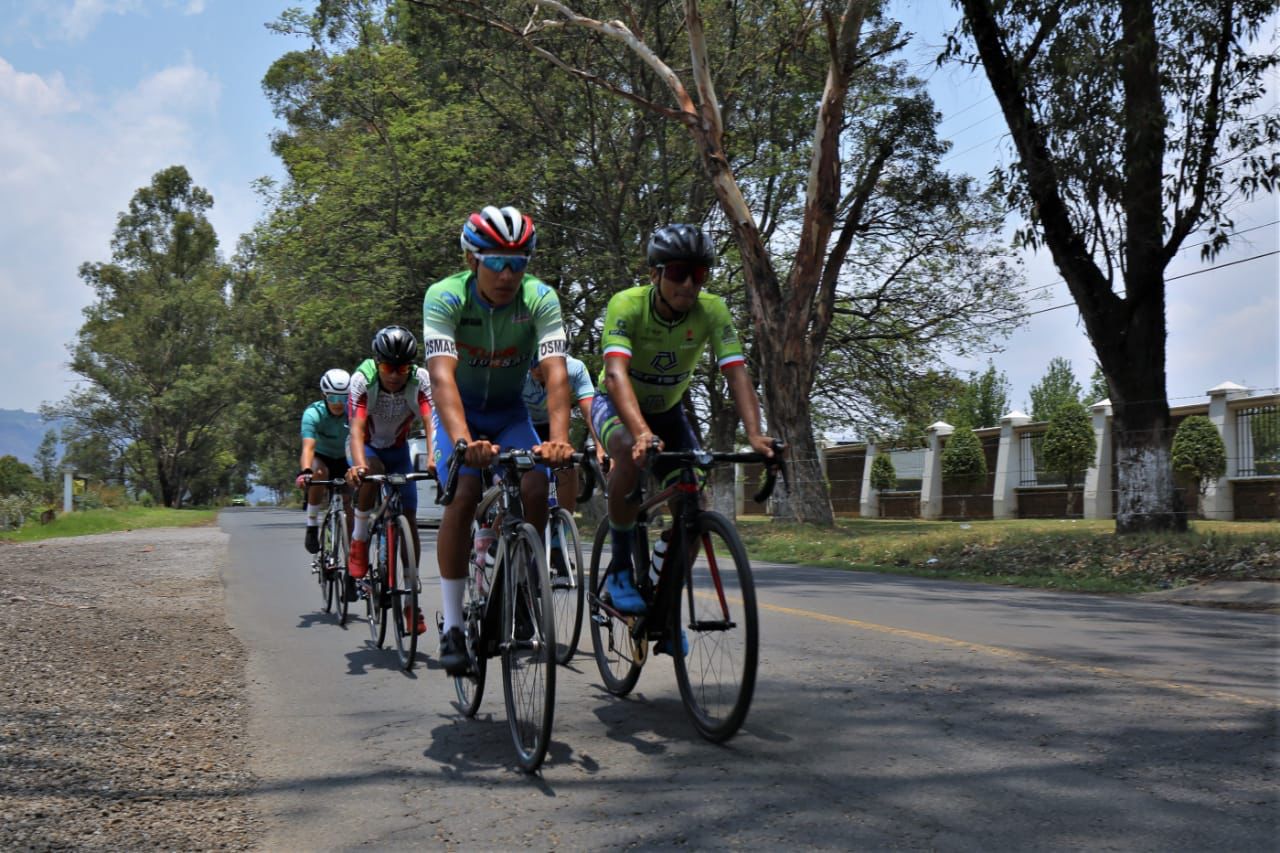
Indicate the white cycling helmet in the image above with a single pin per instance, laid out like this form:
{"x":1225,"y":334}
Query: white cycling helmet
{"x":335,"y":381}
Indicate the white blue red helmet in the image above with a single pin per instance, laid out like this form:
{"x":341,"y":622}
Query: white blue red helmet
{"x":493,"y":229}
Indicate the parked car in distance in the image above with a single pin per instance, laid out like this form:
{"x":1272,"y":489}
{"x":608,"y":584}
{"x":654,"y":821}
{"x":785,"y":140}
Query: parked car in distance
{"x":239,"y":500}
{"x":429,"y":512}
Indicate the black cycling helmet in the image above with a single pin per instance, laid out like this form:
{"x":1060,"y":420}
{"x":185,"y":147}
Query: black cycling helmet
{"x":681,"y":243}
{"x":395,"y":345}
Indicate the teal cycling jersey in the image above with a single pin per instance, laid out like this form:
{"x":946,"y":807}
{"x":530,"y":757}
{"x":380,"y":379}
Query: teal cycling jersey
{"x":494,"y":346}
{"x":329,"y":431}
{"x":535,"y":393}
{"x":662,"y":354}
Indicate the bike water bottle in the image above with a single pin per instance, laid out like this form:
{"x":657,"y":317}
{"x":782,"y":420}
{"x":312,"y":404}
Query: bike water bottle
{"x":659,"y":554}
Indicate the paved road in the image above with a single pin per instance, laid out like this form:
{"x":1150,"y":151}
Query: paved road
{"x":891,"y":713}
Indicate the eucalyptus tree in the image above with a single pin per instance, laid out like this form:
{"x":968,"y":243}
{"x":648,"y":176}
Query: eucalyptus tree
{"x":1135,"y":123}
{"x":802,"y":226}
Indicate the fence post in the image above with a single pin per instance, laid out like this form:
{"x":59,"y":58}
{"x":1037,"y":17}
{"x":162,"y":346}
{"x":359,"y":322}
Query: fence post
{"x":869,"y":503}
{"x":68,"y":473}
{"x":1219,"y":501}
{"x":931,"y":485}
{"x":1097,"y":480}
{"x":1004,"y":495}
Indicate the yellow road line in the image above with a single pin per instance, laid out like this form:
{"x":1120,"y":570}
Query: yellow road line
{"x":997,"y":651}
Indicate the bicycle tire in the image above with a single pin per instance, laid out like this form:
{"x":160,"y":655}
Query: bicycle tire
{"x":402,"y":575}
{"x":566,"y":585}
{"x":528,"y":662}
{"x":341,"y":586}
{"x":375,"y":602}
{"x":611,"y":640}
{"x":325,"y":573}
{"x":717,"y":609}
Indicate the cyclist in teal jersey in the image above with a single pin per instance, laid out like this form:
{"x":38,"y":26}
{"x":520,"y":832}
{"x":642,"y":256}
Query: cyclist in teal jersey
{"x":324,"y":448}
{"x":653,"y":337}
{"x":483,"y":328}
{"x":535,"y":400}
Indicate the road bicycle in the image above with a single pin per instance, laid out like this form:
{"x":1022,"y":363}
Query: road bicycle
{"x":701,"y":601}
{"x":508,"y":611}
{"x":392,"y":587}
{"x":330,"y":563}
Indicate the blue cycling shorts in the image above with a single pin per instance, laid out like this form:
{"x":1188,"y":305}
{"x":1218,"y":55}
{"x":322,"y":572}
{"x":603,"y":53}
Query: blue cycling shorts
{"x":510,"y":429}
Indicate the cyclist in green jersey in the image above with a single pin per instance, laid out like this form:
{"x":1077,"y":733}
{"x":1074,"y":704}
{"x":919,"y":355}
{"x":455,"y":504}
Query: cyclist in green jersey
{"x":324,"y":448}
{"x":483,"y":328}
{"x":653,"y":337}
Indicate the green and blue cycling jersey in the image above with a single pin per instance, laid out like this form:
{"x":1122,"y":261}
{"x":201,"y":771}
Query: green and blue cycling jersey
{"x":494,"y":345}
{"x":661,"y":353}
{"x":535,"y":393}
{"x":329,"y":431}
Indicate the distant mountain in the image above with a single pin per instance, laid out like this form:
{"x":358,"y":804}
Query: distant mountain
{"x":21,"y":433}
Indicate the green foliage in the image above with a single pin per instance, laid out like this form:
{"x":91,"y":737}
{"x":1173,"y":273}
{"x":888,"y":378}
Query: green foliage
{"x":1098,"y":389}
{"x":108,"y":520}
{"x":883,"y":476}
{"x":17,"y":508}
{"x":1057,"y":387}
{"x":963,"y":462}
{"x":983,"y":402}
{"x":1069,"y":443}
{"x":157,"y":349}
{"x":16,"y":477}
{"x":1198,"y":451}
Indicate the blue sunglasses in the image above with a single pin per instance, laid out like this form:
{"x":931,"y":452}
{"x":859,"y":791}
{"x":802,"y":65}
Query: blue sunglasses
{"x":336,"y":398}
{"x":498,"y":263}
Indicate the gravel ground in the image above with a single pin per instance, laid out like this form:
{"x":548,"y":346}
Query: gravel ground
{"x":123,"y":721}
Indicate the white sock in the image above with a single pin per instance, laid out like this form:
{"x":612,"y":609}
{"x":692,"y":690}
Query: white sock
{"x":360,"y":530}
{"x":451,"y":591}
{"x":313,"y":515}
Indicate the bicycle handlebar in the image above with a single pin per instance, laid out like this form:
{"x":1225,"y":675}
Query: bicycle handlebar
{"x":507,"y":458}
{"x":706,"y":460}
{"x":335,"y":482}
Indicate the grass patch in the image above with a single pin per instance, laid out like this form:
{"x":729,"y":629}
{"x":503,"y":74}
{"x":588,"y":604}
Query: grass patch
{"x":1082,"y":556}
{"x":110,"y":521}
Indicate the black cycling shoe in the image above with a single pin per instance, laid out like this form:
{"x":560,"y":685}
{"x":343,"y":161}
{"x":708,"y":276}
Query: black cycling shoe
{"x":453,"y":652}
{"x":313,"y":540}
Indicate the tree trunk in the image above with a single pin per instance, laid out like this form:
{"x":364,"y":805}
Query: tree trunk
{"x":722,"y":429}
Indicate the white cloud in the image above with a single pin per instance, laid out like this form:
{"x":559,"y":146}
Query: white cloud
{"x":80,"y":19}
{"x":70,"y":160}
{"x":195,"y":7}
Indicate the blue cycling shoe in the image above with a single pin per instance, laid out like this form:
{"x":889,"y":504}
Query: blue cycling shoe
{"x":663,"y":646}
{"x":623,"y":593}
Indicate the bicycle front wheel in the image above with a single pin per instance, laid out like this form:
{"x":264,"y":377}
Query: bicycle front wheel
{"x":566,"y":581}
{"x":324,"y":559}
{"x":342,"y":553}
{"x":402,"y":582}
{"x":618,"y":657}
{"x":528,"y":647}
{"x":375,"y":595}
{"x":716,"y":619}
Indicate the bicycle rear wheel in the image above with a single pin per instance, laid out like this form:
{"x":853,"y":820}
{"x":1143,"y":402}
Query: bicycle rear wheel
{"x":402,"y":583}
{"x":566,"y":582}
{"x":617,"y":656}
{"x":716,"y":616}
{"x":528,"y":647}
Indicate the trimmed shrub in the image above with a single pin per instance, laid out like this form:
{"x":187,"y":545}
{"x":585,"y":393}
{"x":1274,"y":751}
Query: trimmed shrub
{"x":1069,"y":446}
{"x":883,"y":476}
{"x":963,"y":462}
{"x":1198,"y":452}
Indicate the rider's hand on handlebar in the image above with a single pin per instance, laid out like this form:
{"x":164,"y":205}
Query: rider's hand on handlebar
{"x":762,"y":444}
{"x":555,"y":453}
{"x":481,"y":453}
{"x":355,"y":474}
{"x":643,"y":442}
{"x":304,"y":478}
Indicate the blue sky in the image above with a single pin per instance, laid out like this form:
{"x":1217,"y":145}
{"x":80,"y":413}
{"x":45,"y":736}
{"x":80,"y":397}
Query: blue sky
{"x":98,"y":95}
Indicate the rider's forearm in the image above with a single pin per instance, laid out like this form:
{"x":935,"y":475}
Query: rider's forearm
{"x":448,"y":402}
{"x":357,"y":443}
{"x":745,"y":399}
{"x":308,"y":458}
{"x":618,"y":385}
{"x":558,"y":405}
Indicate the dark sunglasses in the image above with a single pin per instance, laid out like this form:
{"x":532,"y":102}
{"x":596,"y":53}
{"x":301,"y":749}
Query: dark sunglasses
{"x":678,"y":271}
{"x":498,"y":263}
